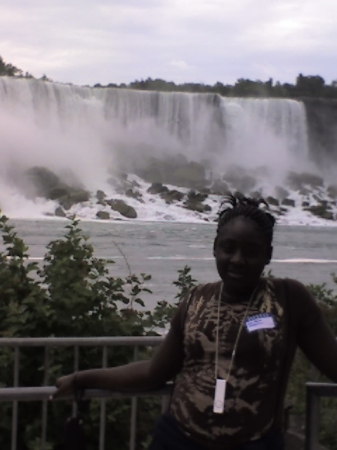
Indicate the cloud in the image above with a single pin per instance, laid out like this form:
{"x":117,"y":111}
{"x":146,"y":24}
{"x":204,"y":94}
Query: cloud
{"x":88,"y":41}
{"x":179,"y":64}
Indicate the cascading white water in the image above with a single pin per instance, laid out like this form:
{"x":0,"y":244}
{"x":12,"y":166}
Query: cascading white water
{"x":270,"y":132}
{"x":88,"y":130}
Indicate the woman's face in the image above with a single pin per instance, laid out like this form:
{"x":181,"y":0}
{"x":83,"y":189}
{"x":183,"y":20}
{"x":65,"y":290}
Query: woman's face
{"x":241,"y":252}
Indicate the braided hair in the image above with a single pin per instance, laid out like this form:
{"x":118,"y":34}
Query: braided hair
{"x":233,"y":207}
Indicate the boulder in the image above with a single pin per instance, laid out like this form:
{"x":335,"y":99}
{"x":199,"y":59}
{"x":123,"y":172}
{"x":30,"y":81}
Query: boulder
{"x":100,"y":195}
{"x":238,"y":195}
{"x":58,"y":192}
{"x":272,"y":201}
{"x":332,"y":191}
{"x":59,"y":212}
{"x":198,"y":207}
{"x":73,"y":198}
{"x":124,"y":209}
{"x":172,"y":196}
{"x":288,"y":202}
{"x":43,"y":180}
{"x":103,"y":215}
{"x":157,"y":188}
{"x":321,"y":211}
{"x":134,"y":194}
{"x":194,"y":196}
{"x":256,"y":195}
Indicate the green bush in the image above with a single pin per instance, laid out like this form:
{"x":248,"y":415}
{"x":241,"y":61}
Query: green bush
{"x":72,"y":294}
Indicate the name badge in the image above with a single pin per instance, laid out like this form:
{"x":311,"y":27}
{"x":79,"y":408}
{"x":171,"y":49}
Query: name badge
{"x":260,"y":322}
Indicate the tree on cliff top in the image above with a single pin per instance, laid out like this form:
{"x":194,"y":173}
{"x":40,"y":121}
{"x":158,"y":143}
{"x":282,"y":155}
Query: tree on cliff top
{"x":8,"y":69}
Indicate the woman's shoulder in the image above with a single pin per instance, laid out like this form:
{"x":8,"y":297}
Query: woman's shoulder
{"x":302,"y":302}
{"x":291,"y":284}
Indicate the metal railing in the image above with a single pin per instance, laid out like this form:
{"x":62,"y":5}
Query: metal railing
{"x":314,"y":392}
{"x":16,"y":393}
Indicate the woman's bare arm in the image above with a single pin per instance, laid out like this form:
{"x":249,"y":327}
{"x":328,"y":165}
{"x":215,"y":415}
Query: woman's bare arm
{"x":142,"y":375}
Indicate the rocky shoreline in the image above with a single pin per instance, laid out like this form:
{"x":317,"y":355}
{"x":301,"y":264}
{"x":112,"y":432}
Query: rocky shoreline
{"x":186,"y":185}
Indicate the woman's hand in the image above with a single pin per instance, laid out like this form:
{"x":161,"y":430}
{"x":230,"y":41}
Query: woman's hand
{"x":65,"y":386}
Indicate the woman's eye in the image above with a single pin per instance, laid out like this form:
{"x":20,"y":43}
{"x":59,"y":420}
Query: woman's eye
{"x":228,"y":248}
{"x":252,"y":252}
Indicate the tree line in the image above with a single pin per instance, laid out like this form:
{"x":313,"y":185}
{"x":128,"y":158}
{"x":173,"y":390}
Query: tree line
{"x":305,"y":86}
{"x":313,"y":86}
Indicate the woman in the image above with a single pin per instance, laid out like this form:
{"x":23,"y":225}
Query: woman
{"x":230,"y":346}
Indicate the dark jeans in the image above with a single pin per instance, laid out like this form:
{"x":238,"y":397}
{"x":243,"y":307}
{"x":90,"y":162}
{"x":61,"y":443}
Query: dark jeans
{"x":167,"y":436}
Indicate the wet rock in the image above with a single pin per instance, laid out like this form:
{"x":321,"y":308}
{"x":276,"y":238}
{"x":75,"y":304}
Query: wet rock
{"x":194,"y":196}
{"x":239,"y":195}
{"x":172,"y":196}
{"x":73,"y":198}
{"x":59,"y":212}
{"x":256,"y":195}
{"x":288,"y":202}
{"x":100,"y":195}
{"x":272,"y":201}
{"x":134,"y":194}
{"x":332,"y":191}
{"x":103,"y":215}
{"x":197,"y":207}
{"x":157,"y":188}
{"x":58,"y":192}
{"x":124,"y":209}
{"x":176,"y":170}
{"x":321,"y":211}
{"x":43,"y":180}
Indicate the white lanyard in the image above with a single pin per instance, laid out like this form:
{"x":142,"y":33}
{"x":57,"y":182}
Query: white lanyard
{"x":220,"y":384}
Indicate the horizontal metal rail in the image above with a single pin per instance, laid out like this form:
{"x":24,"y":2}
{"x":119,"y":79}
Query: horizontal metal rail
{"x":30,"y":394}
{"x":314,"y":391}
{"x":16,"y":393}
{"x":82,"y":341}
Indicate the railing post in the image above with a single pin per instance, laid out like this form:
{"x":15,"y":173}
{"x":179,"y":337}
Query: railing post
{"x":15,"y":403}
{"x":133,"y":424}
{"x":45,"y":402}
{"x":76,"y":366}
{"x":312,"y":415}
{"x":103,"y":404}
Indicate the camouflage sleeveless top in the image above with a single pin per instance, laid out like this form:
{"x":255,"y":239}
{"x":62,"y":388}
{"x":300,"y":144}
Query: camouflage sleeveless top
{"x":252,"y":393}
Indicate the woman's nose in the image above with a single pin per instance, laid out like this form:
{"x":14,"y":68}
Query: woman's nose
{"x":237,"y":257}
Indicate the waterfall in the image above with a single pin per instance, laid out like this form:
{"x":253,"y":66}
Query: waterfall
{"x":265,"y":131}
{"x":92,"y":121}
{"x":86,"y":133}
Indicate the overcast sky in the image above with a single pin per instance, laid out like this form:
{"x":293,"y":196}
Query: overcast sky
{"x":91,"y":41}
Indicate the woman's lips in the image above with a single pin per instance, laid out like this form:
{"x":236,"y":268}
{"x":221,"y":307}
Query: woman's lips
{"x":236,"y":274}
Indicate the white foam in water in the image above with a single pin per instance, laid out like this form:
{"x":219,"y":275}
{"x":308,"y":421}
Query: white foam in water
{"x":305,"y":261}
{"x":84,"y":133}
